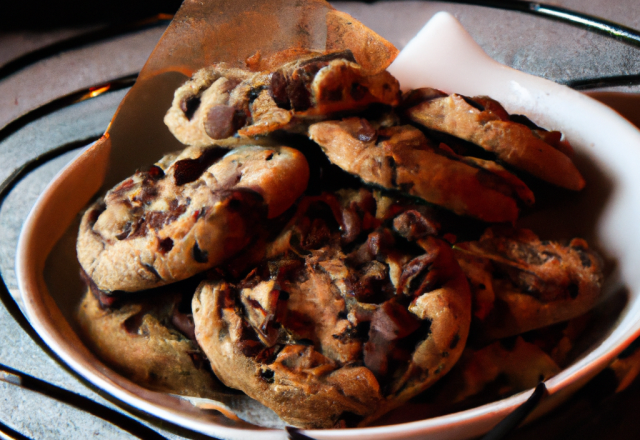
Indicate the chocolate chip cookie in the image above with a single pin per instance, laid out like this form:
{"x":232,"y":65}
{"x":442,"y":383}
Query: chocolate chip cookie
{"x":189,"y":212}
{"x":339,"y":327}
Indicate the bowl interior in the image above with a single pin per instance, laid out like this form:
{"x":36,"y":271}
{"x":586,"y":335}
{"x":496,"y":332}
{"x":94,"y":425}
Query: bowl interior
{"x":443,"y":56}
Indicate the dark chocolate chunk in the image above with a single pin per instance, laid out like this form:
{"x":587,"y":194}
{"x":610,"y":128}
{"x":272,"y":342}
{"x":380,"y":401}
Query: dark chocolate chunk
{"x":390,"y":323}
{"x":199,"y":255}
{"x":165,"y":245}
{"x":189,"y":170}
{"x":95,"y":213}
{"x":155,"y":172}
{"x":413,"y":226}
{"x":299,"y":96}
{"x":199,"y":360}
{"x":417,"y":276}
{"x":190,"y":105}
{"x":278,"y":90}
{"x":153,"y":271}
{"x":223,"y":121}
{"x":358,"y":91}
{"x":125,"y":231}
{"x":184,"y":324}
{"x":573,"y":290}
{"x":132,"y":323}
{"x":267,"y":375}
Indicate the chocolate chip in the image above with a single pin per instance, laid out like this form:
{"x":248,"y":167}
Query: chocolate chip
{"x":132,"y":323}
{"x":244,"y":201}
{"x":417,"y":276}
{"x":199,"y":255}
{"x":358,"y":91}
{"x":366,"y":132}
{"x":392,"y":164}
{"x":147,"y":194}
{"x":267,"y":375}
{"x":106,"y":300}
{"x":390,"y":323}
{"x":454,"y":341}
{"x":157,"y":219}
{"x":165,"y":245}
{"x":299,"y":96}
{"x":189,"y":170}
{"x":95,"y":213}
{"x":155,"y":172}
{"x":125,"y":231}
{"x":184,"y":323}
{"x":412,"y":225}
{"x":249,"y":344}
{"x":371,"y":283}
{"x":152,"y":270}
{"x":139,"y":229}
{"x":190,"y":105}
{"x":278,"y":90}
{"x":198,"y":359}
{"x":268,"y":356}
{"x":584,"y":258}
{"x":573,"y":290}
{"x":220,"y":122}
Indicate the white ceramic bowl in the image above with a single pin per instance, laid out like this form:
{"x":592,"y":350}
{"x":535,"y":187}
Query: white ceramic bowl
{"x":444,"y":56}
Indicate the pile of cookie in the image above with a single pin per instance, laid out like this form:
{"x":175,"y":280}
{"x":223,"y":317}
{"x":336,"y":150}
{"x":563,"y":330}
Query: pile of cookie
{"x":332,"y":247}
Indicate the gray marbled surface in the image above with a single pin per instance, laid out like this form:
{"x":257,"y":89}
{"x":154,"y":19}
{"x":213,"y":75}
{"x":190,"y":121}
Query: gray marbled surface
{"x":542,"y":47}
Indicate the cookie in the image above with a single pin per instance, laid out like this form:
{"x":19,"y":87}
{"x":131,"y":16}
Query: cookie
{"x":147,"y":340}
{"x":494,"y":372}
{"x":211,"y":106}
{"x":521,"y":283}
{"x":402,"y":158}
{"x":220,"y":102}
{"x":340,"y":327}
{"x":513,"y":139}
{"x":188,"y":213}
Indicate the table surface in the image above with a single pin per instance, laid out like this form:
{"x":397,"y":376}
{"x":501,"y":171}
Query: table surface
{"x":551,"y":49}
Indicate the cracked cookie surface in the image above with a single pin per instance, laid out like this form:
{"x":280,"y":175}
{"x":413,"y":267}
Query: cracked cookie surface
{"x":344,"y":323}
